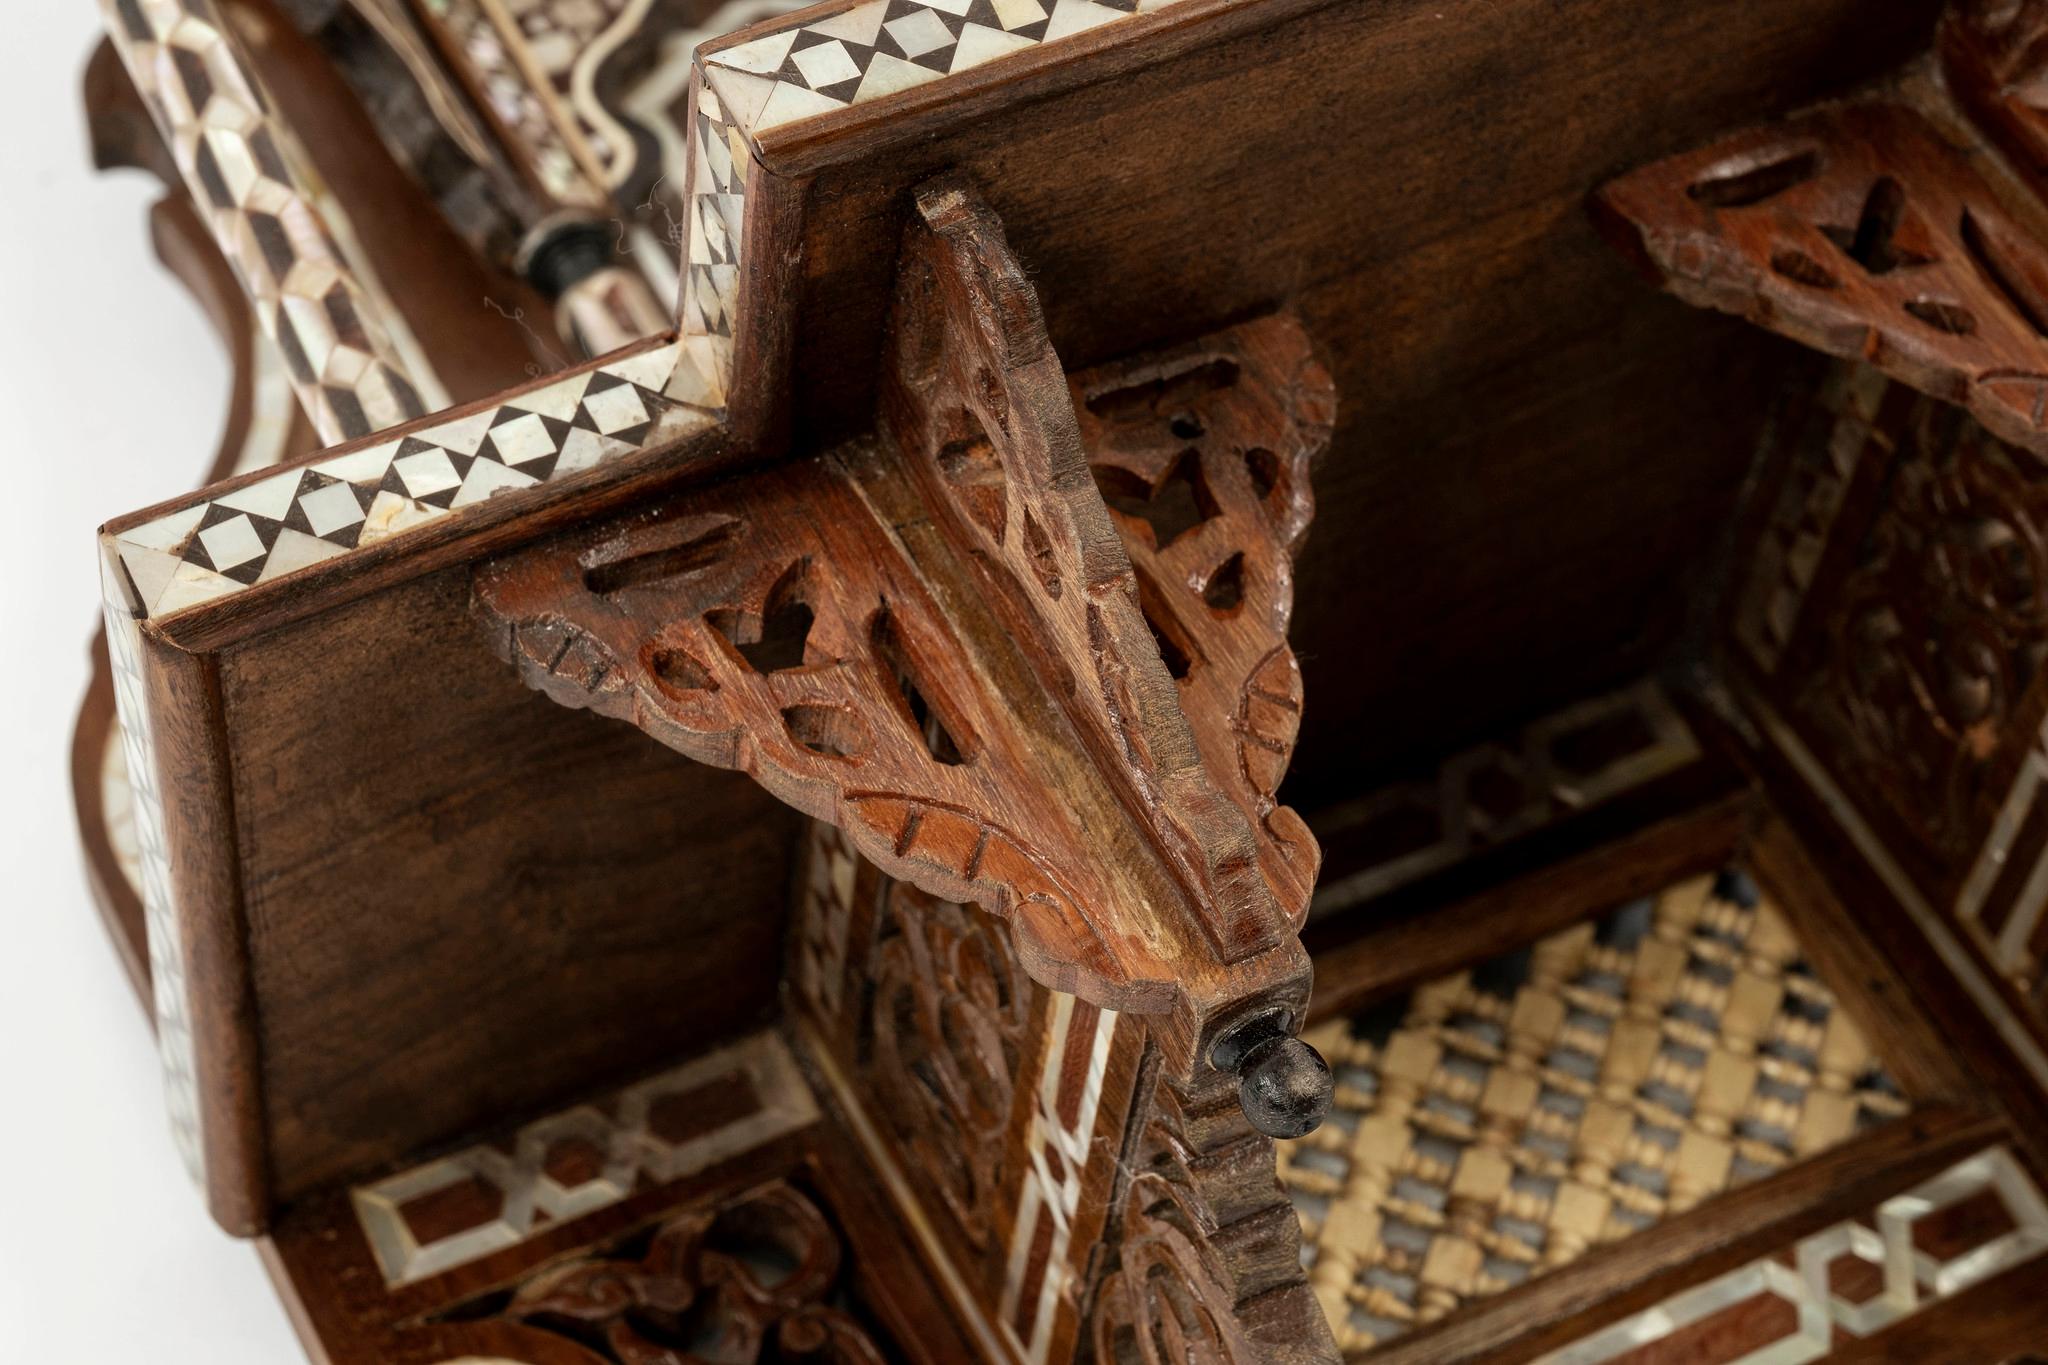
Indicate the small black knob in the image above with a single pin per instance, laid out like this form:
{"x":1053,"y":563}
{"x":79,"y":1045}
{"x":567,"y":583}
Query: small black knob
{"x":1285,"y":1087}
{"x":1283,"y":1084}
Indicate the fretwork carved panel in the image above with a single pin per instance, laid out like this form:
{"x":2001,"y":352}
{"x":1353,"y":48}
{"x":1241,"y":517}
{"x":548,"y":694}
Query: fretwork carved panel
{"x":1896,"y":613}
{"x":1003,"y":1104}
{"x":1100,"y":1178}
{"x":1894,"y":608}
{"x":1203,"y":455}
{"x":940,"y":643}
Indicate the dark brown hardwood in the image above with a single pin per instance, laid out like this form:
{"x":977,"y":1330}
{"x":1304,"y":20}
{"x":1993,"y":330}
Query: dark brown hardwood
{"x":1635,"y":783}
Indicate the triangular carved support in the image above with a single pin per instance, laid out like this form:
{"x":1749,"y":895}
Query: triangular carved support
{"x":945,"y":641}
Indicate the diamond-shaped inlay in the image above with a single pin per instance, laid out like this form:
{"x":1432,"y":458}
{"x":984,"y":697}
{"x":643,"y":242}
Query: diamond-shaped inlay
{"x":232,"y":543}
{"x":303,"y":515}
{"x":826,"y":64}
{"x":332,"y":508}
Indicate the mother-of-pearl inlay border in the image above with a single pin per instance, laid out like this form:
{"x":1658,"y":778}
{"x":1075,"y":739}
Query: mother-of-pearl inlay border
{"x":818,"y":62}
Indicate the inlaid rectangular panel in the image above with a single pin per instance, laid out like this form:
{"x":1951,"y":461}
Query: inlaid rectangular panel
{"x":493,"y":1195}
{"x":1502,"y":1121}
{"x":1002,"y":1103}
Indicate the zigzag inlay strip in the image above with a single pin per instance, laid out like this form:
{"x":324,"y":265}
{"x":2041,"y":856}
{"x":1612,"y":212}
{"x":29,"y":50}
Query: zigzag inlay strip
{"x":224,"y":543}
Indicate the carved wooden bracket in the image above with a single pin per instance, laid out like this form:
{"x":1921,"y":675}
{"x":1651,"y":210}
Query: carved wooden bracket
{"x":946,"y":642}
{"x":1865,"y":233}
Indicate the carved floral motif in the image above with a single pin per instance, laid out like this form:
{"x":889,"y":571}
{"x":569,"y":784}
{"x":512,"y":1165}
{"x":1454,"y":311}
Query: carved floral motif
{"x":1930,"y":648}
{"x":950,"y":1011}
{"x":749,"y":1282}
{"x":1170,"y":1299}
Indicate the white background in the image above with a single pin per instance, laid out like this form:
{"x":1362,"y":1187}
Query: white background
{"x":113,"y":388}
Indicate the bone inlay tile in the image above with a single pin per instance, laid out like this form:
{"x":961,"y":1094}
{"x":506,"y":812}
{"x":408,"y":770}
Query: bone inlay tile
{"x":879,"y":47}
{"x":1503,"y":1121}
{"x":815,"y":66}
{"x":175,"y":1051}
{"x":644,"y":1135}
{"x":307,"y":513}
{"x":249,"y":181}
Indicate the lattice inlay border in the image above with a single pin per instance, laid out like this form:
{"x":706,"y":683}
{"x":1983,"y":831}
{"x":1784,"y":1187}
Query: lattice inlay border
{"x":1569,"y":761}
{"x":223,"y":542}
{"x":815,"y":63}
{"x":625,"y":1128}
{"x":1912,"y":1277}
{"x":1504,"y":1120}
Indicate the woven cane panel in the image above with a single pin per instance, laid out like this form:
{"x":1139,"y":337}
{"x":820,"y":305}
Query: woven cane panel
{"x":1504,"y":1120}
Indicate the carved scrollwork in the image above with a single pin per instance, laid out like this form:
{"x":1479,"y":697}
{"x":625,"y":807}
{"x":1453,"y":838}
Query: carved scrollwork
{"x":936,"y":641}
{"x":976,"y":400}
{"x":749,"y":1282}
{"x":1170,"y":1299}
{"x":950,"y":1014}
{"x":774,"y":627}
{"x":1201,"y":1232}
{"x":1937,"y":635}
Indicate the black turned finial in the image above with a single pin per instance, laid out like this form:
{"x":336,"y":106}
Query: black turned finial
{"x":1283,"y":1084}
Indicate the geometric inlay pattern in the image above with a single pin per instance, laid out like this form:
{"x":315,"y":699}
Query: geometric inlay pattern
{"x":249,"y":181}
{"x":340,"y":501}
{"x":452,"y":1210}
{"x":1502,"y":1121}
{"x":1974,"y":1220}
{"x":813,"y":67}
{"x":512,"y":79}
{"x":882,"y":46}
{"x":176,"y":1054}
{"x":1551,"y":769}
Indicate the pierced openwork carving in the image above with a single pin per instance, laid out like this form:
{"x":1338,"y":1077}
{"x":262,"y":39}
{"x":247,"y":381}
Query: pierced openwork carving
{"x":772,"y":626}
{"x":979,"y":405}
{"x":1203,"y":456}
{"x":1862,"y":233}
{"x":751,"y":1280}
{"x":936,"y":641}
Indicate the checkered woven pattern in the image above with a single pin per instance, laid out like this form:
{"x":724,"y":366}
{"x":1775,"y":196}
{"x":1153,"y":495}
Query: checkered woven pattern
{"x":223,"y":542}
{"x":1504,"y":1120}
{"x":248,"y":179}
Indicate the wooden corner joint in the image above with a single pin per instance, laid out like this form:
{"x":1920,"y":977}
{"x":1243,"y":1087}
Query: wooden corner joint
{"x":1907,"y":228}
{"x":1026,"y":645}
